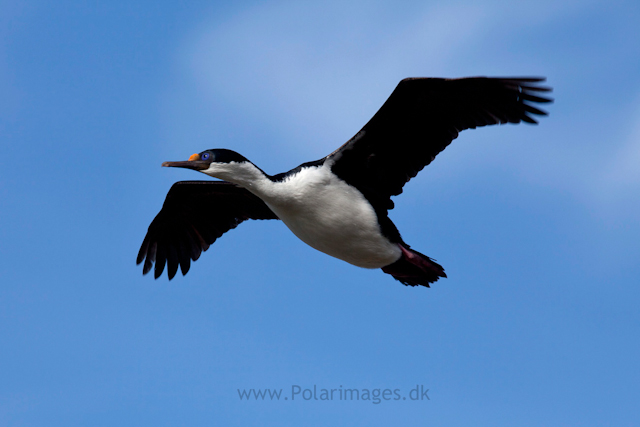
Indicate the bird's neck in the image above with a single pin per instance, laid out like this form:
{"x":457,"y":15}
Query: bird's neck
{"x":244,"y":174}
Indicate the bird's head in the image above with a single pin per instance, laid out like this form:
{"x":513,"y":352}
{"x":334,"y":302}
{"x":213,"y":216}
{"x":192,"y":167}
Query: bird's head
{"x":220,"y":163}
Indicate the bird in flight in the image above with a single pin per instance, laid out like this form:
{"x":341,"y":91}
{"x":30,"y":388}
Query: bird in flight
{"x":339,"y":204}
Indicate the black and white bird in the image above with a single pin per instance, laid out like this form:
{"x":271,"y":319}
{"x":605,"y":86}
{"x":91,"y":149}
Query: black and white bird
{"x":339,"y":204}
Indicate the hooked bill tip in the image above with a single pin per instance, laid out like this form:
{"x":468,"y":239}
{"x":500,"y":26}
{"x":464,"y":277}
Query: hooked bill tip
{"x":188,"y":164}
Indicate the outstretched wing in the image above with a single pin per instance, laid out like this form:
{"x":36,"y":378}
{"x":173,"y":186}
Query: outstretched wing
{"x":193,"y":216}
{"x":421,"y":117}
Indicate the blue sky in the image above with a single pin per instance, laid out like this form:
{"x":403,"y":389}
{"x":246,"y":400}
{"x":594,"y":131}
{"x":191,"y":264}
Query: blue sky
{"x":537,"y":227}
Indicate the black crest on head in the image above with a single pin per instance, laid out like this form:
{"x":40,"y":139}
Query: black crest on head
{"x":222,"y":155}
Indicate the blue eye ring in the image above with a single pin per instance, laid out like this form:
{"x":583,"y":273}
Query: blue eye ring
{"x":205,"y":156}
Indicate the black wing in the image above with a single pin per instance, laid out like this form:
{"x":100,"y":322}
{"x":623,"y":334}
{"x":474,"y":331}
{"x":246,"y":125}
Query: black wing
{"x":421,"y":117}
{"x":193,"y":216}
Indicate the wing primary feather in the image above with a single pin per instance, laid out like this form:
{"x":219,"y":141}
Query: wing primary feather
{"x":528,"y":97}
{"x":147,"y":266}
{"x":184,"y":253}
{"x":142,"y":253}
{"x":161,"y":258}
{"x":153,"y":249}
{"x":534,"y":110}
{"x":172,"y":261}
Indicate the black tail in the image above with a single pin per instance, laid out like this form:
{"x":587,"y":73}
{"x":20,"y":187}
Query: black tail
{"x":414,"y":268}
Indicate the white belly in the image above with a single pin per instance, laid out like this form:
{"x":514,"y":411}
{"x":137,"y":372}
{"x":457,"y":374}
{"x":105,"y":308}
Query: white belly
{"x":332,"y":217}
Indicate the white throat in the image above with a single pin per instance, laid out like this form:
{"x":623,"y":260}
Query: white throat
{"x":244,"y":174}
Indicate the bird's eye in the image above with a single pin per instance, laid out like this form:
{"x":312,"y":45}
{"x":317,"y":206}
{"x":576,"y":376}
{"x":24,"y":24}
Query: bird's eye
{"x":205,"y":156}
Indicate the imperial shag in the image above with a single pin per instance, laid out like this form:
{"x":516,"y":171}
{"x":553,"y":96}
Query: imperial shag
{"x":339,"y":204}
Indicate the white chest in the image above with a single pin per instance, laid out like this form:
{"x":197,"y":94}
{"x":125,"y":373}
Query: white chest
{"x":332,"y":217}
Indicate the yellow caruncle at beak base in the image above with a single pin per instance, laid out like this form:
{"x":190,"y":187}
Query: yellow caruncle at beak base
{"x":194,"y":157}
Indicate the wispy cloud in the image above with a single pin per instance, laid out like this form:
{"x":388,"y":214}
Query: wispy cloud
{"x":619,"y":176}
{"x":314,"y":68}
{"x":318,"y":71}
